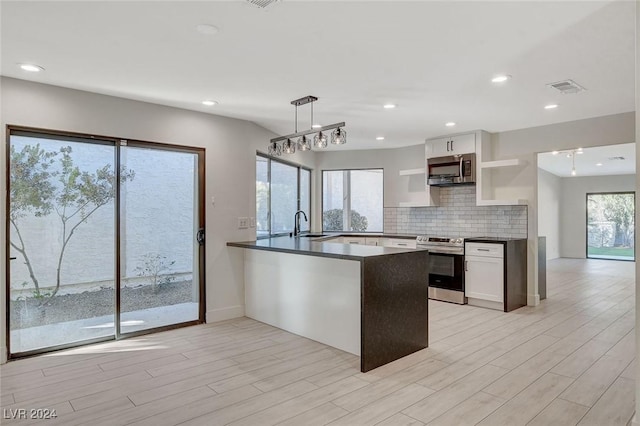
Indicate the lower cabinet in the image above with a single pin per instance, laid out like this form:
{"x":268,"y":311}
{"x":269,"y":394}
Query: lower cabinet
{"x":496,"y":274}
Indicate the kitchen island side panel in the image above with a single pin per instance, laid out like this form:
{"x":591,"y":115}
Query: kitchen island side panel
{"x":314,"y":297}
{"x":394,"y":307}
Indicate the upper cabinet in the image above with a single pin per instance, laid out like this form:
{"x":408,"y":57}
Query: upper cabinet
{"x":451,"y":145}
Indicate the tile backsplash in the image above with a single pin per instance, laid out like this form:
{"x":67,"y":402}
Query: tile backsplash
{"x":458,"y":216}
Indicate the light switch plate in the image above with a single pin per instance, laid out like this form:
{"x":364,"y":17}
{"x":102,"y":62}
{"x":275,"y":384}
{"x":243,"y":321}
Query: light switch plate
{"x":252,"y":222}
{"x":243,"y":222}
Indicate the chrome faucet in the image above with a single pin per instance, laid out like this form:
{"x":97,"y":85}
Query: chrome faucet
{"x":296,"y":218}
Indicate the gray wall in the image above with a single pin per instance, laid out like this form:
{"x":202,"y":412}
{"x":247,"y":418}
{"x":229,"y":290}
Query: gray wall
{"x":230,"y":166}
{"x":549,"y":200}
{"x":573,"y":222}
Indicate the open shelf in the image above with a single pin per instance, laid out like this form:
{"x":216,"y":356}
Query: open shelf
{"x":410,"y":172}
{"x":413,"y":204}
{"x":501,"y":163}
{"x":514,"y":202}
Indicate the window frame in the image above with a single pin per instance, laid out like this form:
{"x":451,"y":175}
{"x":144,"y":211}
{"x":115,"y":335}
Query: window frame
{"x":299,"y":169}
{"x":586,"y":237}
{"x":347,"y":202}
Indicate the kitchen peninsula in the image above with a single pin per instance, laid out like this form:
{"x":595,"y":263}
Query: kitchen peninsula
{"x":370,"y":301}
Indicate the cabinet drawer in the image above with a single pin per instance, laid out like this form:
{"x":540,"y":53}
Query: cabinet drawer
{"x":372,"y":241}
{"x":484,"y":249}
{"x":401,"y":243}
{"x":353,"y":240}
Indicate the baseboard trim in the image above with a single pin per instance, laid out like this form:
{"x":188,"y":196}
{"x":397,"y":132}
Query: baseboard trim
{"x":222,"y":314}
{"x":533,"y":300}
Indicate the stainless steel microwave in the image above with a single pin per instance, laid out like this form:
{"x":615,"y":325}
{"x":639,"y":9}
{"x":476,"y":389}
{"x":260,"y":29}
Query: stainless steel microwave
{"x":451,"y":170}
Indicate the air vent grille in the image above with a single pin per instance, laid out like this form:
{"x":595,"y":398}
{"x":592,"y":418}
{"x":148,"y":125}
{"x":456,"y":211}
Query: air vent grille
{"x":567,"y":87}
{"x":616,"y":158}
{"x":262,"y":3}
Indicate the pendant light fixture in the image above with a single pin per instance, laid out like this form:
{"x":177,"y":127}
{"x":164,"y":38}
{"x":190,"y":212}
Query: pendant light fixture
{"x":303,"y":143}
{"x":571,"y":153}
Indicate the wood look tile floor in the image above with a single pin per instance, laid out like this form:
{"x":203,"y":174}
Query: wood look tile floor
{"x":569,"y":361}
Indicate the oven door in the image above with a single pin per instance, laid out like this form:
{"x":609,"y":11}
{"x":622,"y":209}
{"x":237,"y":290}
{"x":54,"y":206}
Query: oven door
{"x":446,"y":277}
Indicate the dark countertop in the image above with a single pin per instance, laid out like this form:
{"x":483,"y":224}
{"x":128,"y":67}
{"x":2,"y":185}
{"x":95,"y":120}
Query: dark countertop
{"x":491,"y":239}
{"x":309,"y":247}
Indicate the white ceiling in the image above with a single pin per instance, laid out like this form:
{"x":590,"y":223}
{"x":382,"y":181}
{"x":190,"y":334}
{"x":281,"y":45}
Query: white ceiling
{"x":586,"y":163}
{"x":434,"y":59}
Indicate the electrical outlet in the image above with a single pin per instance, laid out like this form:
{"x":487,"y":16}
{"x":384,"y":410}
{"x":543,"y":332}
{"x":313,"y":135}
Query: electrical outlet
{"x":252,"y":222}
{"x":243,"y":222}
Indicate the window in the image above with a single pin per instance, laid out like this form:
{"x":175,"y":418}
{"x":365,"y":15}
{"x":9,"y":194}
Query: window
{"x":610,"y":226}
{"x":281,"y":190}
{"x":352,"y":200}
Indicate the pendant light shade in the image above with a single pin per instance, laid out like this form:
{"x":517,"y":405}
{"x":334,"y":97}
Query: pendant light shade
{"x":339,"y":137}
{"x":289,"y":147}
{"x":304,"y":144}
{"x":274,"y":149}
{"x":320,"y":140}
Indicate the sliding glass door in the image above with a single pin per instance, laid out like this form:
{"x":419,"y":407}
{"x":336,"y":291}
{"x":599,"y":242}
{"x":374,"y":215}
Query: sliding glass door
{"x":61,"y":238}
{"x":158,"y":248}
{"x":102,"y":239}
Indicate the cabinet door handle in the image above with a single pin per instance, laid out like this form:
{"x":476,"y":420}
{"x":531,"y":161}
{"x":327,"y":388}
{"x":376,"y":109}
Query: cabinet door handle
{"x":448,"y":142}
{"x":452,"y":145}
{"x":401,"y":244}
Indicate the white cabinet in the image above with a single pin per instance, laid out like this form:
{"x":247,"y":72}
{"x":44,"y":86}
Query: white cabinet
{"x":451,"y":145}
{"x":354,"y":240}
{"x":372,"y":241}
{"x":333,"y":240}
{"x":484,"y":275}
{"x":400,"y":243}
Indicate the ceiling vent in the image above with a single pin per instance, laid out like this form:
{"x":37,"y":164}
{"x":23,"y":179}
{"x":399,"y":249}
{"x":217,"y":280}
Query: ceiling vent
{"x":262,"y":3}
{"x":567,"y":87}
{"x":616,"y":158}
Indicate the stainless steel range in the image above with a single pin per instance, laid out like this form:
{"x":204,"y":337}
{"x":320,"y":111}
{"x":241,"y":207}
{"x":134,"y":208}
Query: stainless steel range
{"x":446,"y":268}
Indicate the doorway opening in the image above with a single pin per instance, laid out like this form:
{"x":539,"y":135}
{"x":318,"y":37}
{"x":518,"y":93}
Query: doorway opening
{"x":611,"y":225}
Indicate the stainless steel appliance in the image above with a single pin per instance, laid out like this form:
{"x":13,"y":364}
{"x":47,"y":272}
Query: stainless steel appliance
{"x":446,"y":268}
{"x":451,"y":170}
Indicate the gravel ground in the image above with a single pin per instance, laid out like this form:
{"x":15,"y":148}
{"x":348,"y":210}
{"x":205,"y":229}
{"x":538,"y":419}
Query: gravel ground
{"x":70,"y":307}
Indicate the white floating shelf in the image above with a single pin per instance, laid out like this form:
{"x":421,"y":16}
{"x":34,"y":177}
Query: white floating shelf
{"x":410,"y":172}
{"x":501,"y":163}
{"x":413,"y":204}
{"x":516,"y":202}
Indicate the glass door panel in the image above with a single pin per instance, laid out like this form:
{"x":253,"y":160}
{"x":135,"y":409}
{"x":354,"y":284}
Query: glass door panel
{"x":159,"y":253}
{"x":611,"y":226}
{"x":61,"y":241}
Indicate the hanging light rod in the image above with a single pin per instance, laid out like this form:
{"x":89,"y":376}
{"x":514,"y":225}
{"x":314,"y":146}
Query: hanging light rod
{"x":308,"y":132}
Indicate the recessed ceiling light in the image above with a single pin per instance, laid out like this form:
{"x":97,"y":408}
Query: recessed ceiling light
{"x":209,"y":103}
{"x":389,"y":106}
{"x":450,"y":124}
{"x":207,"y":29}
{"x":598,"y":164}
{"x":551,"y":106}
{"x":31,"y":67}
{"x":500,"y":78}
{"x":316,"y":126}
{"x":556,"y":152}
{"x":380,"y":138}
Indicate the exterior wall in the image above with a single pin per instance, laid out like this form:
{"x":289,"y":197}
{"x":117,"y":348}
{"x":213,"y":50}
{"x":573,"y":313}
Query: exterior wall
{"x":573,"y":224}
{"x":549,"y":200}
{"x":458,"y":216}
{"x":230,"y":166}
